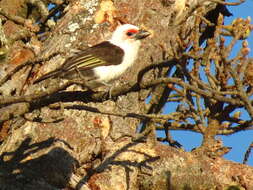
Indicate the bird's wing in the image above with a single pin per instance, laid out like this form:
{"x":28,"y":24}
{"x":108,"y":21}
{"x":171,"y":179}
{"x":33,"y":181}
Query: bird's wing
{"x":102,"y":54}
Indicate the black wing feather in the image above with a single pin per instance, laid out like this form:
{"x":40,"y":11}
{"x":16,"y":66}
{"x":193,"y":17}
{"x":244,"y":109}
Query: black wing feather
{"x":108,"y":53}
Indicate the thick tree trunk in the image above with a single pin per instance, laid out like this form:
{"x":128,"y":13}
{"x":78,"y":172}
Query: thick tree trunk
{"x":91,"y":144}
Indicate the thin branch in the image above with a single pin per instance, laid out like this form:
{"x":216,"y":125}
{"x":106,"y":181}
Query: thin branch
{"x":175,"y":125}
{"x":142,"y":116}
{"x":247,"y":125}
{"x":180,"y":126}
{"x":242,"y":93}
{"x":204,"y":20}
{"x":19,"y":20}
{"x":16,"y":69}
{"x":246,"y":156}
{"x":228,"y":3}
{"x":121,"y":90}
{"x":3,"y":40}
{"x":41,"y":7}
{"x":5,"y":100}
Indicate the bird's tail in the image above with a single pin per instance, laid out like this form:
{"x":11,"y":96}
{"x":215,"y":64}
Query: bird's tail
{"x":52,"y":74}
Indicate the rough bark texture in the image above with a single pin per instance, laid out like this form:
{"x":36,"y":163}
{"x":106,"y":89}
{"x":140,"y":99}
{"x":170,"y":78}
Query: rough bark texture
{"x":77,"y":147}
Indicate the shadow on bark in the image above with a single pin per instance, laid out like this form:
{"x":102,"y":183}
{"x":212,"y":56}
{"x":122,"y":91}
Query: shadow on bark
{"x":20,"y":171}
{"x":126,"y":164}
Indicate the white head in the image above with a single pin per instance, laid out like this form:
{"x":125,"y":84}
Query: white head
{"x":128,"y":35}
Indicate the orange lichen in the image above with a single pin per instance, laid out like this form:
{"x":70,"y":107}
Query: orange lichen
{"x":4,"y":130}
{"x":106,"y":13}
{"x":21,"y":56}
{"x":104,"y":124}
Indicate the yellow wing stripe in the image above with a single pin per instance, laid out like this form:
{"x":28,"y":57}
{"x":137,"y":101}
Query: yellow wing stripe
{"x":85,"y":63}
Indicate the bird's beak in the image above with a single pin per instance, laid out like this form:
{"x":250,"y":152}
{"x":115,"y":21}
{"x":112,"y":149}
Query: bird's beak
{"x":141,"y":34}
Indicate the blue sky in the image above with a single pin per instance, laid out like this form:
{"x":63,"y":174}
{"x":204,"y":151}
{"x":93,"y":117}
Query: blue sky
{"x":241,"y":141}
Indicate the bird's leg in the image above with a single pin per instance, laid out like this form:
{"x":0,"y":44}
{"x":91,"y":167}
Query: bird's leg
{"x":110,"y":88}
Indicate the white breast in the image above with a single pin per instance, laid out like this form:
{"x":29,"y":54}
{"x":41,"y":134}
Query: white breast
{"x":106,"y":74}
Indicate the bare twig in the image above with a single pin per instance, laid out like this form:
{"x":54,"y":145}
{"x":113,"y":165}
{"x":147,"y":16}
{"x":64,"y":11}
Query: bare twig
{"x":242,"y":93}
{"x":246,"y":156}
{"x":3,"y":40}
{"x":16,"y":69}
{"x":228,"y":3}
{"x":30,"y":98}
{"x":19,"y":20}
{"x":41,"y":7}
{"x":204,"y":19}
{"x":121,"y":90}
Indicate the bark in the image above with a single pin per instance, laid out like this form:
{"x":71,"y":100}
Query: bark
{"x":74,"y":140}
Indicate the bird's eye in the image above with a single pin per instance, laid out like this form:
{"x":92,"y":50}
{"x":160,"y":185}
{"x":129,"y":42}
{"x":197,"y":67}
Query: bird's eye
{"x":129,"y":33}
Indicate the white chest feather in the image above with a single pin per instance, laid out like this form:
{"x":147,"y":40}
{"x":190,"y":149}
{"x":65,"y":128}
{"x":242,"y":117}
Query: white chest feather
{"x":106,"y":74}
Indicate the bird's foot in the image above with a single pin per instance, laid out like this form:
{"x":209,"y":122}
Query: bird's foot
{"x":110,"y":92}
{"x":110,"y":89}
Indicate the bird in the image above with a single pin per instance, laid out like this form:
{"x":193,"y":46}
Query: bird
{"x":104,"y":62}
